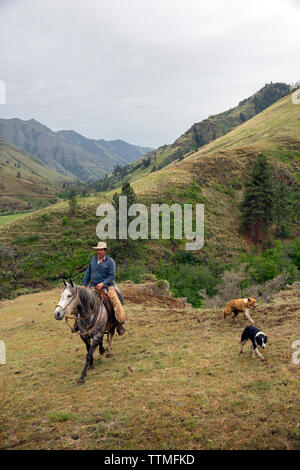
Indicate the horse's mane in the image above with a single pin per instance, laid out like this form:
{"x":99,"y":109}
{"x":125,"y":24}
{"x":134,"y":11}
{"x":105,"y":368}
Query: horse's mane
{"x":87,"y":297}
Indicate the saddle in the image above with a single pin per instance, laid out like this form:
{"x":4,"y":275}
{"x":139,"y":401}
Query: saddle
{"x":109,"y":307}
{"x":119,"y":294}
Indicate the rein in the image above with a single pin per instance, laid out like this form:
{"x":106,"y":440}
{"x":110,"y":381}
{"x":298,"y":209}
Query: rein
{"x":99,"y":295}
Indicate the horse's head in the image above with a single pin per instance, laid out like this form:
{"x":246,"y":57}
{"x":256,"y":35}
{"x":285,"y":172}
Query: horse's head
{"x":68,"y":301}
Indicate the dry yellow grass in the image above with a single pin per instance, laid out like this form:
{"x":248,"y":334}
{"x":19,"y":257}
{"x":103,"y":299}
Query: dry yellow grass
{"x":175,"y":380}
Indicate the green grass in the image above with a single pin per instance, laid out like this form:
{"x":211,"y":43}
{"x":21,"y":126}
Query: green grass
{"x":5,"y":219}
{"x":213,"y":176}
{"x":175,"y":380}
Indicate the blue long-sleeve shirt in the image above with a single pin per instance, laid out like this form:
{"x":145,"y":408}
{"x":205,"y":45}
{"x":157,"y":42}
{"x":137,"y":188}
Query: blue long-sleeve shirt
{"x":103,"y":272}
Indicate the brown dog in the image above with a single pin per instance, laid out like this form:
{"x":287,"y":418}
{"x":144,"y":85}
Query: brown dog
{"x":240,"y":305}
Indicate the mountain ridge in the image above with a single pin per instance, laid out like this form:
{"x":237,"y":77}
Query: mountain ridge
{"x":215,"y":176}
{"x":199,"y":135}
{"x":67,"y":151}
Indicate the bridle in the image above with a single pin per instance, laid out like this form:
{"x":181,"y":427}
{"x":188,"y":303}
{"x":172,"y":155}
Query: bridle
{"x":73,"y":298}
{"x":99,"y":294}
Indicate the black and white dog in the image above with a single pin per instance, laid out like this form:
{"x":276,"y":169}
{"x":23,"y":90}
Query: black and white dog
{"x":257,"y":337}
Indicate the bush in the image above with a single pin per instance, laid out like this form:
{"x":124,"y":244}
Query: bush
{"x":192,"y":281}
{"x":22,"y":291}
{"x":133,"y":271}
{"x":44,"y":218}
{"x":148,"y":277}
{"x":73,"y":205}
{"x":294,"y":253}
{"x":272,"y":262}
{"x":234,"y":286}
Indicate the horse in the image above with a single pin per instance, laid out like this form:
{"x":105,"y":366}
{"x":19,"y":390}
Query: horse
{"x":94,"y":317}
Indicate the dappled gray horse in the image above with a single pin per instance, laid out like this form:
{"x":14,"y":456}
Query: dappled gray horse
{"x":93,"y":319}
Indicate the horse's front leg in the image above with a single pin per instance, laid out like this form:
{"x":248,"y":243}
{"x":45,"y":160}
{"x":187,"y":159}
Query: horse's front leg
{"x":87,"y":342}
{"x":89,"y":359}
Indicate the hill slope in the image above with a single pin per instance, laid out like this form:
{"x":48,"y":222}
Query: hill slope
{"x":175,"y":379}
{"x":216,"y":174}
{"x":25,"y":183}
{"x":202,"y":133}
{"x":58,"y":243}
{"x":67,"y":152}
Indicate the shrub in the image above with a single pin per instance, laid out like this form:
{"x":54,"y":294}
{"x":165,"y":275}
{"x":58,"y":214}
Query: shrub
{"x":147,"y":277}
{"x":269,"y":264}
{"x":44,"y":218}
{"x":259,"y":275}
{"x":133,"y":271}
{"x":235,"y":285}
{"x":294,"y":252}
{"x":235,"y":183}
{"x":188,"y":280}
{"x":73,"y":205}
{"x":22,"y":291}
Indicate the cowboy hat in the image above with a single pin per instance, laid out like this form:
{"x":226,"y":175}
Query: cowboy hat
{"x":100,"y":246}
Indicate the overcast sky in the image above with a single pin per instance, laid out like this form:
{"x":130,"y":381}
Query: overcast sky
{"x":141,"y":70}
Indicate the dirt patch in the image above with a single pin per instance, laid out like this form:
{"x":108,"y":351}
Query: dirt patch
{"x":150,"y":294}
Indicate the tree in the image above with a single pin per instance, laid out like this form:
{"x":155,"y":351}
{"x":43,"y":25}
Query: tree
{"x":128,"y":248}
{"x":73,"y":204}
{"x":128,"y":191}
{"x":282,"y":209}
{"x":258,"y":204}
{"x":295,"y":203}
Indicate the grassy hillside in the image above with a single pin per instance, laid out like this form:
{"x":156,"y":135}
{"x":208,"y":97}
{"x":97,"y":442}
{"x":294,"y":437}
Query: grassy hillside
{"x":38,"y":250}
{"x":201,"y":134}
{"x":175,"y":380}
{"x":25,"y":183}
{"x":216,"y":174}
{"x":6,"y":219}
{"x":68,"y":152}
{"x":275,"y":130}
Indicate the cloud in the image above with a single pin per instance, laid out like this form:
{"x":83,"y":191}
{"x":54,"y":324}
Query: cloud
{"x":141,"y":71}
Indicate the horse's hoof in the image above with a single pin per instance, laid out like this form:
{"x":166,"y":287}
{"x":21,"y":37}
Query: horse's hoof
{"x":108,"y":354}
{"x":102,"y":351}
{"x":91,"y":366}
{"x":80,"y":381}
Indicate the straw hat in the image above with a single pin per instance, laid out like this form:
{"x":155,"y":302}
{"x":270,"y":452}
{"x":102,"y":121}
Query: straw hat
{"x":100,"y":246}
